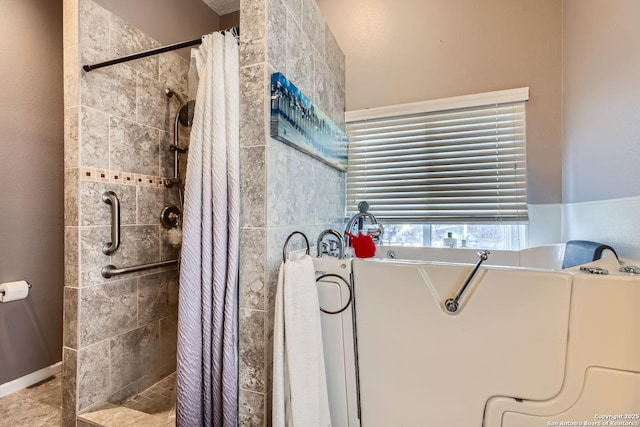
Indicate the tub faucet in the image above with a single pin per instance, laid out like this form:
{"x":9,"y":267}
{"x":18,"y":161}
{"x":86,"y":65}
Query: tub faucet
{"x":330,"y":249}
{"x":376,"y":232}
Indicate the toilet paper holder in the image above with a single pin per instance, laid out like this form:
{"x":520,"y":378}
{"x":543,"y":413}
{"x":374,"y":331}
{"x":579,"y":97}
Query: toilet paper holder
{"x":28,"y":284}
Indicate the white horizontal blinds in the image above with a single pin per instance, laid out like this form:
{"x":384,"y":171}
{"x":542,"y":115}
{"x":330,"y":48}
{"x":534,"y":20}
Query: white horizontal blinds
{"x":464,"y":165}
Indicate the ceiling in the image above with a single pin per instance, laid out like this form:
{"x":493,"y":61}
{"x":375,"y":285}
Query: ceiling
{"x":222,"y":7}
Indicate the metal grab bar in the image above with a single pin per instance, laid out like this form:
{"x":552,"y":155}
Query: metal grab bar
{"x":110,"y":198}
{"x":111,"y":270}
{"x":452,"y":303}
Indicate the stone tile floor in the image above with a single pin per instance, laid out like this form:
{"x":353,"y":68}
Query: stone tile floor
{"x":36,"y":406}
{"x":151,"y":408}
{"x":157,"y":399}
{"x":40,"y":406}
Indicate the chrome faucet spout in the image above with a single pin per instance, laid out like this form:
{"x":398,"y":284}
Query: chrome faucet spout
{"x":340,"y":244}
{"x":352,"y":221}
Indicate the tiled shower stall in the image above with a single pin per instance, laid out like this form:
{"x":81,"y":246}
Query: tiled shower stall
{"x":120,"y":333}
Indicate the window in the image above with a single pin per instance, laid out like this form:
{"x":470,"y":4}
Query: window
{"x":480,"y":236}
{"x":455,"y":165}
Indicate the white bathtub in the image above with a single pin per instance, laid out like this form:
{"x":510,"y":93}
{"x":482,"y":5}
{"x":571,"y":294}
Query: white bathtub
{"x":547,"y":256}
{"x":527,"y":347}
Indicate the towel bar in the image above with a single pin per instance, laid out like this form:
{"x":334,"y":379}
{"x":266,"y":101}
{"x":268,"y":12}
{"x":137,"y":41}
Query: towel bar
{"x":286,"y":242}
{"x":284,"y":259}
{"x":348,"y":287}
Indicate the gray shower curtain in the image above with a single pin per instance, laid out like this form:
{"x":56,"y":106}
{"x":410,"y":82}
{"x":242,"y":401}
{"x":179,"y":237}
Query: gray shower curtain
{"x":207,"y":370}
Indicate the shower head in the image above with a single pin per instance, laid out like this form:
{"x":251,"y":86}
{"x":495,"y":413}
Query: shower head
{"x":185,"y":115}
{"x":170,"y":93}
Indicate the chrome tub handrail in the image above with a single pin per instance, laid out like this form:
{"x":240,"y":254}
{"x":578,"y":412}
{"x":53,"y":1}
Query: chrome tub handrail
{"x":452,"y":303}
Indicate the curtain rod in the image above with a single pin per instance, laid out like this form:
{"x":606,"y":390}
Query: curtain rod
{"x":88,"y":67}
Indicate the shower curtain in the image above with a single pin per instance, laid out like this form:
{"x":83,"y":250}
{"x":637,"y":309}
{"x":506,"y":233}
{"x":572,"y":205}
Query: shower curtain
{"x":207,"y":370}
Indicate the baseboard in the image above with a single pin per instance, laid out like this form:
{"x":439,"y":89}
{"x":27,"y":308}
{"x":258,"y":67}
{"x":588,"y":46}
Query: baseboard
{"x":30,"y":379}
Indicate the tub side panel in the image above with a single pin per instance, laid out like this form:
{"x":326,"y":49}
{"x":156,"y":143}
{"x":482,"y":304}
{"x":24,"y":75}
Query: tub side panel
{"x":419,"y":365}
{"x":602,"y":358}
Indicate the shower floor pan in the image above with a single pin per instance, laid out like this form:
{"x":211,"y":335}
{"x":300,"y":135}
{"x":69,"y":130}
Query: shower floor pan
{"x":150,"y":408}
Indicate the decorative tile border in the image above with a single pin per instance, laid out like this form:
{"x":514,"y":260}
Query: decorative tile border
{"x":119,"y":177}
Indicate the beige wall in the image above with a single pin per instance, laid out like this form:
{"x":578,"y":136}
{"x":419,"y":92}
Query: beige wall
{"x":601,"y":99}
{"x":601,"y":123}
{"x":230,"y":20}
{"x":31,"y":166}
{"x":414,"y":50}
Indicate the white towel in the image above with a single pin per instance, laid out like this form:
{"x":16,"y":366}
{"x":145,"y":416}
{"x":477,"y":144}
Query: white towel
{"x":299,"y":381}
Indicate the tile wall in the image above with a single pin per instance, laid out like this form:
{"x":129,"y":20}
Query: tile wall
{"x":119,"y":333}
{"x":282,"y":189}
